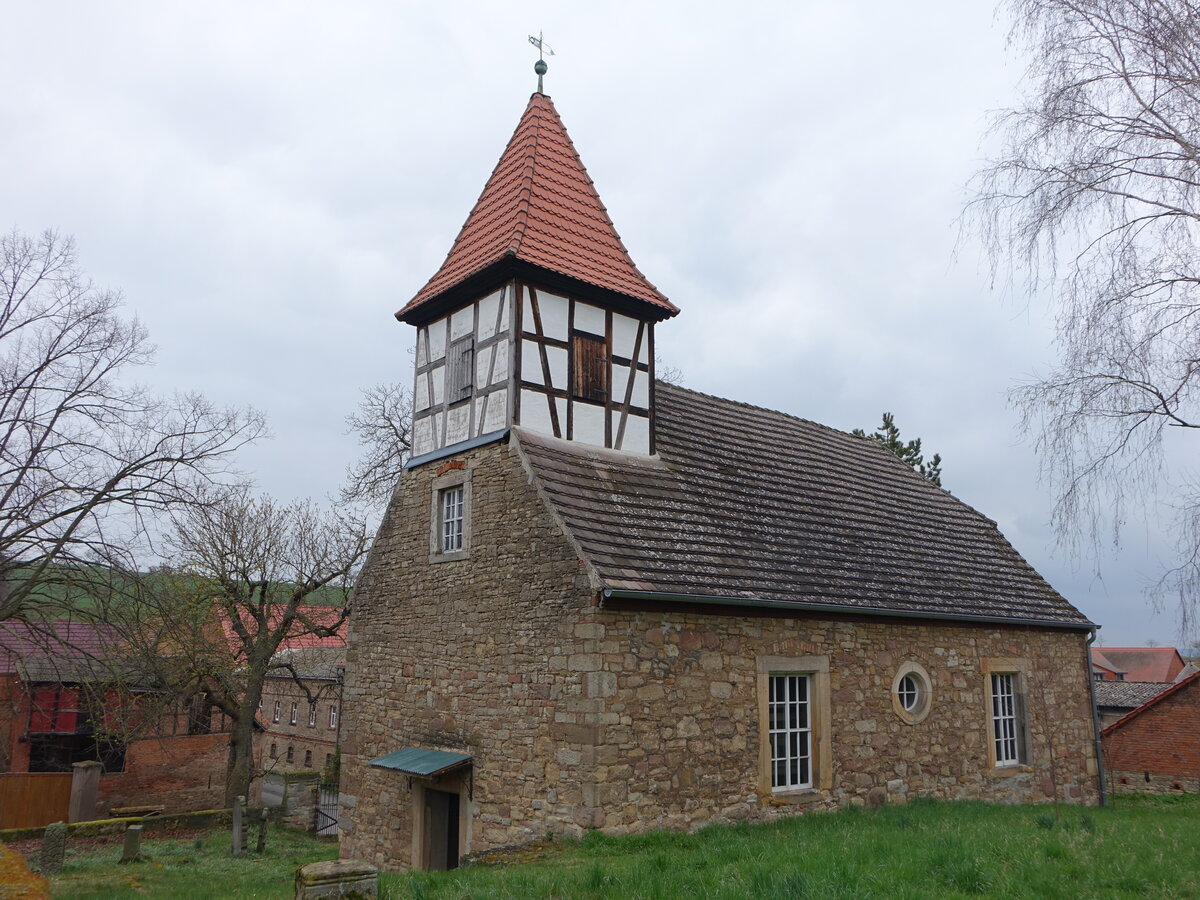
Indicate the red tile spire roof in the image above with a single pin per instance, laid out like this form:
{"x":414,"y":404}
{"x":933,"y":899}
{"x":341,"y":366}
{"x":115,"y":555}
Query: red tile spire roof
{"x":540,"y":207}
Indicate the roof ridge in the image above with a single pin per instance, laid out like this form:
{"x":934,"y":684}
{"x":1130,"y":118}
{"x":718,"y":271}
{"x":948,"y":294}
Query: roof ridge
{"x":1153,"y":701}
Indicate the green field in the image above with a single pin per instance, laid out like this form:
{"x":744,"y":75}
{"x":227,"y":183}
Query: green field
{"x":1140,"y":848}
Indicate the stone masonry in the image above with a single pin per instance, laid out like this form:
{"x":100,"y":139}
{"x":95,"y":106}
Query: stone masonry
{"x":580,"y":717}
{"x":1155,"y":749}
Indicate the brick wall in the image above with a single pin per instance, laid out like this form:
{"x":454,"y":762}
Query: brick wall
{"x":318,"y":739}
{"x":1157,"y":750}
{"x":579,"y":717}
{"x":182,"y":773}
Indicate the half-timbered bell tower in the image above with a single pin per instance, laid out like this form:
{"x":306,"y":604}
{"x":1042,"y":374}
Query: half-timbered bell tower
{"x":538,"y":317}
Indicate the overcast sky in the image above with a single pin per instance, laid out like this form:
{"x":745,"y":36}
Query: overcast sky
{"x":268,"y":182}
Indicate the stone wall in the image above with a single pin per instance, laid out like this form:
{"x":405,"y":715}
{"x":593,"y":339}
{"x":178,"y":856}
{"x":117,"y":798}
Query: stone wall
{"x":300,"y":799}
{"x":1157,"y":751}
{"x":458,"y":655}
{"x":580,"y":717}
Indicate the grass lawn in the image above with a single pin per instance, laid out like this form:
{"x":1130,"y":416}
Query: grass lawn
{"x":1140,"y":848}
{"x":196,"y":868}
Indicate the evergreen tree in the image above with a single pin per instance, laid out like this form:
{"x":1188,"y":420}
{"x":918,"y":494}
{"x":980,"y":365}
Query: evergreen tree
{"x":889,"y":435}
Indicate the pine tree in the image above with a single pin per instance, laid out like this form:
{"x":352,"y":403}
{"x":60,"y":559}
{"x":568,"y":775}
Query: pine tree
{"x":889,"y":435}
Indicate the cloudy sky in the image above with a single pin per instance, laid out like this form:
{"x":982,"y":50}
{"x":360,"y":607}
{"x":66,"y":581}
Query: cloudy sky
{"x":268,"y":182}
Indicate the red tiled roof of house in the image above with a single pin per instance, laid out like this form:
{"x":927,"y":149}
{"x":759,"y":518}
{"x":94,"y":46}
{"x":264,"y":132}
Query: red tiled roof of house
{"x":62,"y":642}
{"x":300,"y":636}
{"x":540,"y":206}
{"x":1101,"y":661}
{"x":1146,"y":663}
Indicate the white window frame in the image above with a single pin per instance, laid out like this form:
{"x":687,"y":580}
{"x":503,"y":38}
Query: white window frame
{"x":295,"y":713}
{"x":1006,"y":712}
{"x":452,"y":519}
{"x":278,"y":710}
{"x":312,"y":715}
{"x":333,"y":716}
{"x":790,"y":731}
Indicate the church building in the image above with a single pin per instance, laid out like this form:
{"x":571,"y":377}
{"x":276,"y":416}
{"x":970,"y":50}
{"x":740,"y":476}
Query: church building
{"x":600,"y":601}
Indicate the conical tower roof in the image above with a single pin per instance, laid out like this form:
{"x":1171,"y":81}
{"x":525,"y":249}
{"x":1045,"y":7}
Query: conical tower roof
{"x":539,"y":216}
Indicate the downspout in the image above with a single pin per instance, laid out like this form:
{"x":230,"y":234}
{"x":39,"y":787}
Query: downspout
{"x":1087,"y":652}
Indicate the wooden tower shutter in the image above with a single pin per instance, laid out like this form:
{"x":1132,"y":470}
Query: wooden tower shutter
{"x":462,"y":370}
{"x":591,"y":368}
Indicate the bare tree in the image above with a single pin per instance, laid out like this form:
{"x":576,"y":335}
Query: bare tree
{"x":383,"y":425}
{"x":79,"y":445}
{"x":1097,"y":196}
{"x":246,"y":576}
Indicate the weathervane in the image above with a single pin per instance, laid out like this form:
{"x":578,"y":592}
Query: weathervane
{"x":540,"y":66}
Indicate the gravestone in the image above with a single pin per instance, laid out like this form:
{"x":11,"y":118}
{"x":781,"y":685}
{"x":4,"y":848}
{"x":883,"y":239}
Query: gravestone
{"x":54,"y":847}
{"x":337,"y":878}
{"x":132,"y":851}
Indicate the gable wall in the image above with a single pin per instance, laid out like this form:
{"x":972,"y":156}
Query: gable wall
{"x":475,"y":655}
{"x":1157,"y":751}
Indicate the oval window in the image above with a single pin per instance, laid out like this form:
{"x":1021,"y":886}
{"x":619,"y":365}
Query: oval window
{"x":911,"y":693}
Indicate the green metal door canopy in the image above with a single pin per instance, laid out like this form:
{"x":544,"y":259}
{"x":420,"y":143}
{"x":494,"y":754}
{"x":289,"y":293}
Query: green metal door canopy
{"x":420,"y":761}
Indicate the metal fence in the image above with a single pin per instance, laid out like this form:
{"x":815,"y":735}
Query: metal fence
{"x":327,"y":812}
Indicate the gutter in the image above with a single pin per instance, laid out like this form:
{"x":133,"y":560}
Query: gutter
{"x":800,"y":605}
{"x":1087,"y":653}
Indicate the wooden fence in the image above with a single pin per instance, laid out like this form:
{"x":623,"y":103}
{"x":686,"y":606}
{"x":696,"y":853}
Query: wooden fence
{"x":31,"y":800}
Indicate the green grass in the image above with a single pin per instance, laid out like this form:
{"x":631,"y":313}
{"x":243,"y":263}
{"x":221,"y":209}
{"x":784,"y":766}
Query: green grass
{"x":194,"y":869}
{"x":1141,"y":848}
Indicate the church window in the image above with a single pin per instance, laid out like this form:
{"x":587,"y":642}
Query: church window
{"x":452,"y":519}
{"x":911,"y":693}
{"x":790,"y":732}
{"x":1007,"y":719}
{"x":590,"y":366}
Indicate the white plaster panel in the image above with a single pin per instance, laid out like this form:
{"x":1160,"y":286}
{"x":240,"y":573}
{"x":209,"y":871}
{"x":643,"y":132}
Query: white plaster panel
{"x":505,"y":309}
{"x":487,"y":315}
{"x":637,"y":435}
{"x":641,"y":390}
{"x":437,"y":430}
{"x":531,"y":363}
{"x":421,"y":393}
{"x":620,"y":380}
{"x":422,"y":346}
{"x":588,"y":424}
{"x":624,"y":335}
{"x":422,"y":435}
{"x":554,"y":315}
{"x":557,"y":357}
{"x":437,"y":340}
{"x":535,"y":412}
{"x":478,"y":417}
{"x":589,"y":318}
{"x":527,"y":323}
{"x":438,"y":376}
{"x":483,"y":364}
{"x":500,"y":370}
{"x":458,"y":422}
{"x":644,"y":353}
{"x":462,"y":322}
{"x":496,"y":416}
{"x":561,"y":404}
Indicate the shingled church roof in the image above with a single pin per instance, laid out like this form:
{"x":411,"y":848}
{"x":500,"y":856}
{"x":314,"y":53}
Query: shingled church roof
{"x":747,"y":505}
{"x":540,"y":207}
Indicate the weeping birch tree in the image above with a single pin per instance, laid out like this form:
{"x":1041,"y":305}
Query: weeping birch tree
{"x":1096,"y":199}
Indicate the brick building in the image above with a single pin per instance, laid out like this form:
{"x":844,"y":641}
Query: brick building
{"x":1156,"y":748}
{"x":57,"y":707}
{"x":301,"y":707}
{"x":600,"y":601}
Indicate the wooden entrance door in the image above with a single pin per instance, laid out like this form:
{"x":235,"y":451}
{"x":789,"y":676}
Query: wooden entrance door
{"x":441,"y":830}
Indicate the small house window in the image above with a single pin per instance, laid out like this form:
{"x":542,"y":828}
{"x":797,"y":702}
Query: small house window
{"x":789,"y":731}
{"x":333,"y":717}
{"x":452,"y":519}
{"x":274,"y":751}
{"x":276,"y":711}
{"x":312,"y":715}
{"x":1008,"y":725}
{"x":590,"y":367}
{"x":308,"y":759}
{"x":291,"y":754}
{"x":295,"y":708}
{"x":911,"y":693}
